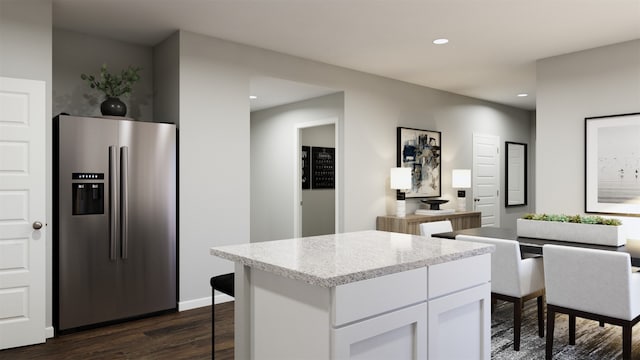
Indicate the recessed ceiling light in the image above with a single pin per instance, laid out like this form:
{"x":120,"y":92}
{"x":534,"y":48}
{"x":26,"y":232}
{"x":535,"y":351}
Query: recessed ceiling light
{"x":523,"y":95}
{"x":252,"y":97}
{"x":440,"y":41}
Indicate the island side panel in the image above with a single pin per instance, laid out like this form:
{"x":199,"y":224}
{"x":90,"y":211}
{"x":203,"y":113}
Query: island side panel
{"x":290,"y":319}
{"x":242,"y":312}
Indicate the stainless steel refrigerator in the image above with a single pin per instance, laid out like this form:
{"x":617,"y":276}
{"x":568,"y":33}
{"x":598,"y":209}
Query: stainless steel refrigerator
{"x":115,"y":216}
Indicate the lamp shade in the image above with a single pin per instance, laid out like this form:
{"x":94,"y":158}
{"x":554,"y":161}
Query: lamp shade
{"x":401,"y":178}
{"x":461,"y":179}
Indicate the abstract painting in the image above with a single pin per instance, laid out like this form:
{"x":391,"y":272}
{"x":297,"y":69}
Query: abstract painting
{"x":421,"y":150}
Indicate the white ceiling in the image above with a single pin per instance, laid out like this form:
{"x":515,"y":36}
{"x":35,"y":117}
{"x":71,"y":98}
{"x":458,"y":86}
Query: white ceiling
{"x":272,"y":92}
{"x":494,"y":44}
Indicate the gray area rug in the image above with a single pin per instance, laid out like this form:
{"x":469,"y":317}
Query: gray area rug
{"x":592,"y":341}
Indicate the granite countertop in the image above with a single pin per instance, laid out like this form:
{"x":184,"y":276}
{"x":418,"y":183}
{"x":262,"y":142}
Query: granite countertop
{"x":337,"y":259}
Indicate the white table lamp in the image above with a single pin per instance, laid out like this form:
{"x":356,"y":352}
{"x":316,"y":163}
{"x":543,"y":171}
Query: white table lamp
{"x":400,"y":180}
{"x":461,"y":179}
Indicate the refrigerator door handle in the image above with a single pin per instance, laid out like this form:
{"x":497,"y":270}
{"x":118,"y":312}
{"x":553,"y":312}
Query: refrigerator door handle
{"x":113,"y":204}
{"x":124,"y":200}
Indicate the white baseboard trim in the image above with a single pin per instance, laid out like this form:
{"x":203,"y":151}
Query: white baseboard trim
{"x":205,"y":301}
{"x":194,"y":304}
{"x":48,"y":332}
{"x":223,"y":298}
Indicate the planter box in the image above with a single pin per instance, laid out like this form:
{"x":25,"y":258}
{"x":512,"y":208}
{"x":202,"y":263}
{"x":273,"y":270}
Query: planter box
{"x":583,"y":233}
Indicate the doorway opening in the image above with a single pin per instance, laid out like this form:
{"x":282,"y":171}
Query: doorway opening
{"x":316,"y":190}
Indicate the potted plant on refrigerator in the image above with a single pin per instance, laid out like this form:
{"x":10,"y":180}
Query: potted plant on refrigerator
{"x":113,"y":86}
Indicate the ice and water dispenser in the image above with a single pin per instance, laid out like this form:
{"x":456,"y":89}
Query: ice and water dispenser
{"x":88,"y":193}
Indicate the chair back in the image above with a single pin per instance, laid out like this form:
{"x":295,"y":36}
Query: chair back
{"x":435,"y":227}
{"x":510,"y":275}
{"x":595,"y":281}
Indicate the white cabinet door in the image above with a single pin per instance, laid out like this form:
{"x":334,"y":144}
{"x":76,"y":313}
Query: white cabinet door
{"x":22,"y":207}
{"x":398,"y":335}
{"x":460,"y":325}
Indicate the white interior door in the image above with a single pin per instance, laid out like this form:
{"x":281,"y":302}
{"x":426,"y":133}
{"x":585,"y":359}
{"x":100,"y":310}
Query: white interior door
{"x":22,"y":208}
{"x":486,"y":178}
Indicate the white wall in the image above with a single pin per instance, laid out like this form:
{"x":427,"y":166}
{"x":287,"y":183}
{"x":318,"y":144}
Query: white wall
{"x":214,"y":162}
{"x":272,"y":162}
{"x":166,"y":80}
{"x":75,"y":53}
{"x":596,"y":82}
{"x":511,"y":214}
{"x":214,"y":122}
{"x":25,"y":52}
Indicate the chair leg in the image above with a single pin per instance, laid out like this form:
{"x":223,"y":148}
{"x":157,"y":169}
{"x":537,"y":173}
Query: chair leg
{"x":213,"y":325}
{"x":517,"y":322}
{"x":626,"y":341}
{"x":551,"y":322}
{"x":601,"y":323}
{"x":572,"y":329}
{"x":540,"y":317}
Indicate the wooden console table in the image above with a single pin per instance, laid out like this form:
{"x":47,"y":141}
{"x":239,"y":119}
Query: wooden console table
{"x":411,"y":223}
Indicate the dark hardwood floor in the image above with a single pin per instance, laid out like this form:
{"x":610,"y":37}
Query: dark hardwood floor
{"x":183,"y":335}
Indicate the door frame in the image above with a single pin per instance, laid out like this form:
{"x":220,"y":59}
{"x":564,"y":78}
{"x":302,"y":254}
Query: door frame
{"x":297,"y":174}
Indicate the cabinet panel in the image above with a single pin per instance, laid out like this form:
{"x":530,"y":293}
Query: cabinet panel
{"x":398,"y":335}
{"x":362,"y":299}
{"x":460,"y":274}
{"x":459,"y":325}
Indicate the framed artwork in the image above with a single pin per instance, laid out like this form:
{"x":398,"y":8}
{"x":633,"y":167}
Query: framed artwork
{"x":612,"y":164}
{"x":305,"y":161}
{"x":421,"y":150}
{"x":323,"y":167}
{"x":515,"y":168}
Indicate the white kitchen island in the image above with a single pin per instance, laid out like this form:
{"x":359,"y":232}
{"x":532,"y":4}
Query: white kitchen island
{"x":361,"y":295}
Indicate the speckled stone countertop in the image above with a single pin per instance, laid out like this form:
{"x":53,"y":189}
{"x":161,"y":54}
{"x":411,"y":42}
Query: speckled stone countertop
{"x":332,"y":260}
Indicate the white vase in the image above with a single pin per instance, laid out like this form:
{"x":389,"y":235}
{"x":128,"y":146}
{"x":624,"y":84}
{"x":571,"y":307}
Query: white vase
{"x":596,"y":234}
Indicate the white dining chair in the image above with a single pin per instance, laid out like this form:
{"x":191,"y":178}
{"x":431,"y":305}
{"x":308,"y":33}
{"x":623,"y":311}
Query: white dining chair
{"x":435,"y":227}
{"x":514,"y":280}
{"x":593,"y":284}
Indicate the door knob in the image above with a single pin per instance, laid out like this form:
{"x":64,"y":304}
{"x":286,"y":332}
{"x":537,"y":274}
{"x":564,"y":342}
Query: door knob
{"x":37,"y":225}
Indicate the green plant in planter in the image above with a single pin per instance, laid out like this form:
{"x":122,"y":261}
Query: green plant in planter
{"x":559,"y":218}
{"x":599,"y":220}
{"x":575,"y":219}
{"x":113,"y":85}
